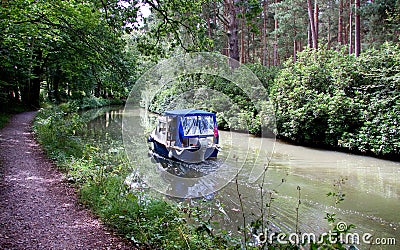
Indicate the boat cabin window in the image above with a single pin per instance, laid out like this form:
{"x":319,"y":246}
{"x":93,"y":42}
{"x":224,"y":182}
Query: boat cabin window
{"x":197,"y":125}
{"x":162,"y":127}
{"x":171,"y":129}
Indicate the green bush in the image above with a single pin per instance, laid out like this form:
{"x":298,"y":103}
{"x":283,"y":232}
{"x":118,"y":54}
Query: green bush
{"x":310,"y":98}
{"x":266,"y":75}
{"x":328,"y":98}
{"x":58,"y":130}
{"x":378,"y":98}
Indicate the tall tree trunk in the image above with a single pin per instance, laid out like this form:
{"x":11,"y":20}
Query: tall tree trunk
{"x":269,"y":58}
{"x":97,"y":90}
{"x":264,"y":34}
{"x":31,"y":90}
{"x":276,"y":37}
{"x":312,"y":25}
{"x":35,"y":88}
{"x":357,"y":29}
{"x":56,"y":83}
{"x":233,"y":29}
{"x":209,"y":30}
{"x":254,"y":49}
{"x":316,"y":22}
{"x":329,"y":33}
{"x":209,"y":26}
{"x":287,"y":49}
{"x":299,"y":46}
{"x":294,"y":39}
{"x":350,"y":28}
{"x":248,"y":44}
{"x":225,"y":49}
{"x":242,"y":40}
{"x":340,"y":23}
{"x":215,"y":11}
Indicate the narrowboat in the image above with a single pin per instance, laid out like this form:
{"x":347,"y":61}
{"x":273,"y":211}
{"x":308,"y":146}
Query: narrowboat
{"x":186,"y":135}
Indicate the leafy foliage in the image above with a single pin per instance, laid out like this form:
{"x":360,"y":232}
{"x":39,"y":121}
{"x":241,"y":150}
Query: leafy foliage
{"x":57,"y":130}
{"x":194,"y":89}
{"x":327,"y":98}
{"x":74,"y":47}
{"x":382,"y":27}
{"x":378,"y":99}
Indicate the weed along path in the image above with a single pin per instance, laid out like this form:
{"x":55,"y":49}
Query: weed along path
{"x":38,"y":209}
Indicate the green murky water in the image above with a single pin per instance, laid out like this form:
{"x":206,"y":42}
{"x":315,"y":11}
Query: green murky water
{"x":372,"y":186}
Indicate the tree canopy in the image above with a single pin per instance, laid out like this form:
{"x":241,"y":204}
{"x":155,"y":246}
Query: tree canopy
{"x":82,"y":48}
{"x":73,"y":46}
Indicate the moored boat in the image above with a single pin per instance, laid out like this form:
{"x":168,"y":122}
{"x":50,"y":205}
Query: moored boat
{"x":187,"y":135}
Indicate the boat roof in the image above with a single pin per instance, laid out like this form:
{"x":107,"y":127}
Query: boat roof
{"x":187,"y":112}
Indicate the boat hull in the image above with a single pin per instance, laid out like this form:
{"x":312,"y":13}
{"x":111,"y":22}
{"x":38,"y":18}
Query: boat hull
{"x":185,"y":155}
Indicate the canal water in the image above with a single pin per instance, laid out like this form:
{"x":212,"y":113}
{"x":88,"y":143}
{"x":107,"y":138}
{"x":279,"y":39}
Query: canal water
{"x":371,"y":186}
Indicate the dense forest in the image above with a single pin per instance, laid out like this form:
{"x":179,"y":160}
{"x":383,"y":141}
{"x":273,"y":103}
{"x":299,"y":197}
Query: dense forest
{"x":77,"y":50}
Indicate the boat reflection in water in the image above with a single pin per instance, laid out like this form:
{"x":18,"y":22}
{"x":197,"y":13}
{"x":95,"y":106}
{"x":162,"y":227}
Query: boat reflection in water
{"x":195,"y":173}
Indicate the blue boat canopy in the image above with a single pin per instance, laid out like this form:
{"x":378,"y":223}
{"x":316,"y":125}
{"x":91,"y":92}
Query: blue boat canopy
{"x":186,"y":134}
{"x":188,"y":112}
{"x":193,"y":123}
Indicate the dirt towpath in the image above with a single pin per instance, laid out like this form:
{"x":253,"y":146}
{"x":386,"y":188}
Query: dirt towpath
{"x":38,"y":209}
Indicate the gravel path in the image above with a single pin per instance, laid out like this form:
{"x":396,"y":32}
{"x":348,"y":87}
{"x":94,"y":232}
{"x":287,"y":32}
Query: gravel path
{"x":38,"y":209}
